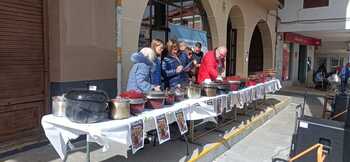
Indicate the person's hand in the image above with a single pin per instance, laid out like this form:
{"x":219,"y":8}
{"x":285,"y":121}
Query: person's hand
{"x":198,"y":65}
{"x":207,"y":81}
{"x":195,"y":62}
{"x":219,"y":78}
{"x":179,"y":69}
{"x":156,"y":88}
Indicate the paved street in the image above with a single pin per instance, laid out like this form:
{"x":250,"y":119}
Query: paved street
{"x":273,"y":139}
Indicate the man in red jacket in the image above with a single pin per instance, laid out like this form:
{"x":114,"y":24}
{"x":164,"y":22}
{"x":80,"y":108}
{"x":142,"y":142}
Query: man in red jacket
{"x":212,"y":60}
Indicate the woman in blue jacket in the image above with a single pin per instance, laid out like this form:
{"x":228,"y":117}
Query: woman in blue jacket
{"x":172,"y":66}
{"x":140,"y":73}
{"x":158,"y":46}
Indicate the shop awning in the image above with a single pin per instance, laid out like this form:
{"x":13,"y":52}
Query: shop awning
{"x":301,"y":39}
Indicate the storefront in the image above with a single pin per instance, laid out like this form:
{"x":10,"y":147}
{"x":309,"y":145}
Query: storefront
{"x":297,"y":49}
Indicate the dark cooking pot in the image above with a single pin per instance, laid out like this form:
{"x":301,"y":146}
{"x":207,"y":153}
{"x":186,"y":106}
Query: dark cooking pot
{"x":84,"y":106}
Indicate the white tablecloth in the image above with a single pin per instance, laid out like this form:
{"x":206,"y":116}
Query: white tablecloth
{"x":59,"y":130}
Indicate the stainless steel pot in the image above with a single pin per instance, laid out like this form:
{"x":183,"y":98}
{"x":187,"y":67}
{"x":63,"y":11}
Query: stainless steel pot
{"x":210,"y":89}
{"x":156,"y":95}
{"x":193,"y":91}
{"x":120,"y":109}
{"x":58,"y":106}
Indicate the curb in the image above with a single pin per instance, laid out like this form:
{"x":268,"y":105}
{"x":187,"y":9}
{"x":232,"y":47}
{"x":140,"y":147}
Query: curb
{"x":216,"y":149}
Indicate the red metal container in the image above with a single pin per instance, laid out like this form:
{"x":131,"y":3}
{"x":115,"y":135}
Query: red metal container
{"x":137,"y":106}
{"x":156,"y":103}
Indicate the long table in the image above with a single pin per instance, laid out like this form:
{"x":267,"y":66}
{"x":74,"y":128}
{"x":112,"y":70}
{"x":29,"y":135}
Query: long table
{"x":115,"y":134}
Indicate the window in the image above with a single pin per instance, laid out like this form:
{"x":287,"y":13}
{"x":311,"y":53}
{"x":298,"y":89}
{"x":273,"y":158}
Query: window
{"x":315,"y":3}
{"x":281,"y":5}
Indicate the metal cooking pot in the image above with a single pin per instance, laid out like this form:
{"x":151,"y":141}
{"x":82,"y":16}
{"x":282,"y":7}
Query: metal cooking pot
{"x":210,"y":89}
{"x":179,"y":95}
{"x":58,"y":106}
{"x":156,"y":95}
{"x":223,"y":88}
{"x":120,"y":109}
{"x":193,"y":91}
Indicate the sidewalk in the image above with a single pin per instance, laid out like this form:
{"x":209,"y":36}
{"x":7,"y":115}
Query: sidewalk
{"x":169,"y":151}
{"x":271,"y":140}
{"x":301,"y":90}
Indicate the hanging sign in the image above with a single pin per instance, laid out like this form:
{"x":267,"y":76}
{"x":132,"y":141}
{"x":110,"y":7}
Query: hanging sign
{"x":300,"y":39}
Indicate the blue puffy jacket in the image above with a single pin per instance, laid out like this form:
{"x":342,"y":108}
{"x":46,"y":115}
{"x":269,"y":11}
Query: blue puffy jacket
{"x":156,"y":74}
{"x":185,"y":61}
{"x":140,"y":73}
{"x":169,"y":66}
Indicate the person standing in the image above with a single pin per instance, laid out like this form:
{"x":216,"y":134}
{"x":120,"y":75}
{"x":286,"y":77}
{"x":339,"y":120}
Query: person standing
{"x":140,"y":73}
{"x":345,"y":75}
{"x":171,"y":66}
{"x":198,"y":54}
{"x":158,"y":46}
{"x":211,"y":64}
{"x":187,"y":63}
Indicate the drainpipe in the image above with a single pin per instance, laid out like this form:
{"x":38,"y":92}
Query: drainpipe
{"x":276,"y":40}
{"x":118,"y":41}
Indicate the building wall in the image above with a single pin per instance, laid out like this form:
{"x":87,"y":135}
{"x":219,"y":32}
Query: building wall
{"x":295,"y":18}
{"x":332,"y":49}
{"x":82,"y":37}
{"x":81,"y":44}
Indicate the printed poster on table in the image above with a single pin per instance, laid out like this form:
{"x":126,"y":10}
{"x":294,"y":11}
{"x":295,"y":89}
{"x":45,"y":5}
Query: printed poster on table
{"x":218,"y":106}
{"x":224,"y":102}
{"x":181,"y":121}
{"x":137,"y":134}
{"x":229,"y":104}
{"x":162,"y":128}
{"x":210,"y":102}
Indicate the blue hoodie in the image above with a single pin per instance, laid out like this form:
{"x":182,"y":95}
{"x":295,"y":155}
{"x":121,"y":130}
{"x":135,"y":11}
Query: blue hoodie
{"x":140,"y":73}
{"x":156,"y":75}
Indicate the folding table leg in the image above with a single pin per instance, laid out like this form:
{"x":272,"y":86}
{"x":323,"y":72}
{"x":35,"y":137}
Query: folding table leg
{"x":187,"y":145}
{"x":191,"y":133}
{"x":87,"y":151}
{"x":65,"y":157}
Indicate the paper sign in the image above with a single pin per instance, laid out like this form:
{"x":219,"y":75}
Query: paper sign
{"x":218,"y":106}
{"x":228,"y":101}
{"x":210,"y":102}
{"x":304,"y":125}
{"x":137,"y":134}
{"x":181,"y":121}
{"x":92,"y":88}
{"x":224,"y":102}
{"x":162,"y":128}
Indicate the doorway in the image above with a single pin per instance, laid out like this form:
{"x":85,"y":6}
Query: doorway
{"x":302,"y":64}
{"x":23,"y":76}
{"x":232,"y":49}
{"x":256,"y":53}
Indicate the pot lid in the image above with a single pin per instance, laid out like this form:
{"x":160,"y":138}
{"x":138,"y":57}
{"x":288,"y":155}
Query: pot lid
{"x":87,"y":95}
{"x":156,"y":94}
